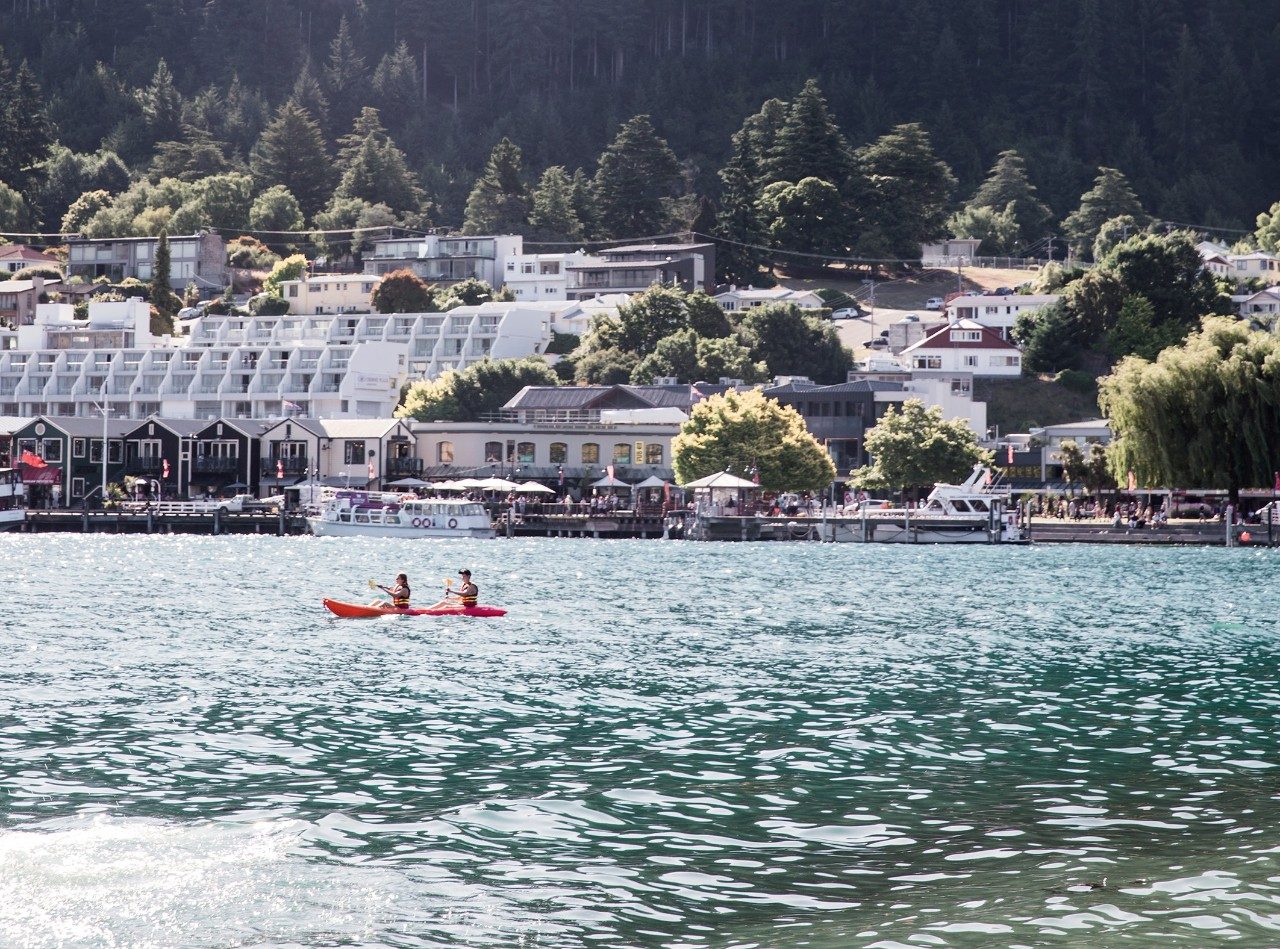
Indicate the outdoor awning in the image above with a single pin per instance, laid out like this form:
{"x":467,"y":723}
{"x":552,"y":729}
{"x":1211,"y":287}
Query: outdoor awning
{"x":653,"y":481}
{"x":49,"y":474}
{"x":722,"y":479}
{"x":608,"y":482}
{"x":532,"y":487}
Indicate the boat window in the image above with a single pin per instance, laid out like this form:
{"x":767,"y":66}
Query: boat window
{"x":935,"y":505}
{"x":362,"y":518}
{"x":960,"y":505}
{"x":474,"y":509}
{"x":346,"y":518}
{"x":391,"y":519}
{"x":453,"y":510}
{"x":979,"y":505}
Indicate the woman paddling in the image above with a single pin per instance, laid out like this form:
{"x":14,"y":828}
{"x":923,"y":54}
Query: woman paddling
{"x":399,"y":593}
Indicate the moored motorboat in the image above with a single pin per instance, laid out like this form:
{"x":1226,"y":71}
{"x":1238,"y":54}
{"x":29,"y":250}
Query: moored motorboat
{"x":365,"y":514}
{"x":12,"y":499}
{"x":365,"y":611}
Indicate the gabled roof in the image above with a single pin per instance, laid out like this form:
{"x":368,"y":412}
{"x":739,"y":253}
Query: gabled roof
{"x":941,"y":339}
{"x":250,"y":428}
{"x":359,"y":427}
{"x":589,"y":398}
{"x":89,"y":426}
{"x":12,"y":423}
{"x":23,"y":252}
{"x":182,"y":427}
{"x":312,"y":426}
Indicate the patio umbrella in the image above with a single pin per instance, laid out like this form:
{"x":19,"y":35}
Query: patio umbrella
{"x":409,"y":483}
{"x":653,"y":481}
{"x":532,"y":487}
{"x":498,"y":484}
{"x":466,"y":484}
{"x":235,"y":486}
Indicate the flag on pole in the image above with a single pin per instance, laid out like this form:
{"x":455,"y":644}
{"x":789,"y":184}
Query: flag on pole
{"x":291,"y":406}
{"x":609,"y":472}
{"x":373,"y":472}
{"x":1133,"y":481}
{"x":280,"y":469}
{"x":164,"y":468}
{"x":1009,"y":454}
{"x":560,"y":471}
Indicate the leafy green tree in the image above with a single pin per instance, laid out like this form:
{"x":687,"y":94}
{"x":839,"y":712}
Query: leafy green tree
{"x":291,"y":153}
{"x":914,"y":447}
{"x":1050,"y":338}
{"x":809,"y":144}
{"x":808,"y":215}
{"x":365,"y":221}
{"x":652,"y":315}
{"x":1093,"y":301}
{"x":216,"y":202}
{"x":403,"y":291}
{"x":1135,"y":331}
{"x":83,"y":209}
{"x":552,"y":217}
{"x":290,"y":268}
{"x":741,"y":430}
{"x":692,"y":358}
{"x":276,"y":209}
{"x":499,"y":202}
{"x":790,"y":342}
{"x":997,"y":229}
{"x":904,"y":190}
{"x":250,"y":253}
{"x":1113,"y":232}
{"x":1166,"y":269}
{"x":635,"y":173}
{"x":705,"y":316}
{"x":604,"y":365}
{"x":1110,"y":197}
{"x":470,"y":292}
{"x":1008,"y":189}
{"x":475,"y":392}
{"x":13,"y":210}
{"x":1205,"y":413}
{"x":1267,"y":235}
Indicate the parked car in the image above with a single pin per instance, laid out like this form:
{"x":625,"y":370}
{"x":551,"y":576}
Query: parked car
{"x":879,"y":342}
{"x":910,"y":318}
{"x":934,"y":303}
{"x":846,"y":313}
{"x":1004,"y":291}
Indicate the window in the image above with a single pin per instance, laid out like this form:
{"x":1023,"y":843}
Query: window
{"x":444,"y":453}
{"x":970,"y":360}
{"x":927,"y":362}
{"x":558,"y":453}
{"x":550,"y":269}
{"x":353,"y":452}
{"x":966,"y":336}
{"x":1013,"y":360}
{"x":526,"y":268}
{"x":51,"y":449}
{"x":115,"y":454}
{"x":622,"y":453}
{"x":511,"y":266}
{"x":525,"y":453}
{"x":95,"y":452}
{"x":591,"y":454}
{"x":492,"y":452}
{"x":77,"y":487}
{"x":77,"y":448}
{"x":293,"y":289}
{"x":653,"y":455}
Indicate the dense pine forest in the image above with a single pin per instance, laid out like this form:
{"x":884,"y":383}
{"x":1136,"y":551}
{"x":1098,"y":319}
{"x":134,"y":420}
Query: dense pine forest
{"x":104,"y":95}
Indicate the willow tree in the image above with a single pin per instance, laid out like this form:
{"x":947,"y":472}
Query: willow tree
{"x":741,"y":430}
{"x":1205,"y":414}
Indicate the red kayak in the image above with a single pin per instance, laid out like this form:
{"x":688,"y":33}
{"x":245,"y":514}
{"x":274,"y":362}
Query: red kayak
{"x":362,"y":611}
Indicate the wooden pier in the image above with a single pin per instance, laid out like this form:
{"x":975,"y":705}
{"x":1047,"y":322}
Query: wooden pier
{"x":212,"y":523}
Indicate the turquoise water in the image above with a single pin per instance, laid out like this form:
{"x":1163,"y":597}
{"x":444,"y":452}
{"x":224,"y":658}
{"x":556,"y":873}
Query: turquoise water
{"x":663,"y":744}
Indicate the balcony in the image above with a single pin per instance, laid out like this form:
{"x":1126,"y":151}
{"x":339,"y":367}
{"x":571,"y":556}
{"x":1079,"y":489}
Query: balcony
{"x":292,"y":466}
{"x":144,"y":464}
{"x":210,"y":464}
{"x":404,"y":467}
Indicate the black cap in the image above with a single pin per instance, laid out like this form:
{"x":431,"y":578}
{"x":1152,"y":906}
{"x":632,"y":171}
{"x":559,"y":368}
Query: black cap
{"x":464,"y":573}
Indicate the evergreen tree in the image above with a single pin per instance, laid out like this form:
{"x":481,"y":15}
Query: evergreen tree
{"x":739,"y":219}
{"x":553,"y":217}
{"x":582,"y":196}
{"x":809,"y":144}
{"x":1109,"y":197}
{"x":308,"y":94}
{"x":162,"y":105}
{"x":291,"y":152}
{"x":499,"y":202}
{"x":25,"y":130}
{"x":806,"y":216}
{"x":378,"y":173}
{"x":635,"y":173}
{"x":345,"y":77}
{"x":162,"y":296}
{"x":1007,"y":184}
{"x":904,"y":190}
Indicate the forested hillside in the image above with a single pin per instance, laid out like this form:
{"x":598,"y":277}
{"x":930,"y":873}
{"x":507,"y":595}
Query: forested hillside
{"x":1173,"y":93}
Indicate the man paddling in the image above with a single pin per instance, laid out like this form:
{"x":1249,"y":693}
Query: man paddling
{"x":467,"y":594}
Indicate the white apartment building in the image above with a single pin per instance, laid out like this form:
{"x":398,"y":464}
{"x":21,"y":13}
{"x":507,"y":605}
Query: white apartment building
{"x":439,"y":259}
{"x":998,"y":312}
{"x":532,"y":277}
{"x":236,"y":366}
{"x":330,"y":293}
{"x":963,"y":347}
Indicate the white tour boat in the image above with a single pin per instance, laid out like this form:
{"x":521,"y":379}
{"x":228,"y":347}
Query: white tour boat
{"x":13,"y":511}
{"x":364,"y":514}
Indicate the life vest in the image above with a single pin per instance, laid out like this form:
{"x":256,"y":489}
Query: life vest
{"x":400,"y":600}
{"x":471,"y":599}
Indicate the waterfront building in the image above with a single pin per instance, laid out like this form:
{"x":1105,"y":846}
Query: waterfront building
{"x":446,"y":259}
{"x":362,"y":453}
{"x":199,"y":258}
{"x":72,"y":449}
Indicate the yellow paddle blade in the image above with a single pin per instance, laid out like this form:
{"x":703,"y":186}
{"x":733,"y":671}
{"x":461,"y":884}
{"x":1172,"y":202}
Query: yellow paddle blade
{"x":372,"y":585}
{"x":448,"y":581}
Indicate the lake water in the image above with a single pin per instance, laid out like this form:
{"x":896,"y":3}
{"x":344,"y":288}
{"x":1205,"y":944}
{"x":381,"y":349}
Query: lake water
{"x":663,"y":744}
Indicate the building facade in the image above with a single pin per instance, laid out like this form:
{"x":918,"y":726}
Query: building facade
{"x":329,"y":293}
{"x":199,"y":259}
{"x":636,"y":267}
{"x":744,"y":298}
{"x":440,"y":259}
{"x":998,"y":312}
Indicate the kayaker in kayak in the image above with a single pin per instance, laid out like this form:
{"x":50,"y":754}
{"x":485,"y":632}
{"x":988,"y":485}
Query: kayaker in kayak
{"x":399,"y":593}
{"x":467,"y":594}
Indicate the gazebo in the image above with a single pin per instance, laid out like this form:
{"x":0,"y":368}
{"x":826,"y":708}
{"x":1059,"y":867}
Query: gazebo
{"x":724,"y":492}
